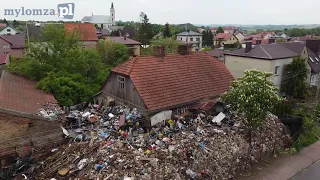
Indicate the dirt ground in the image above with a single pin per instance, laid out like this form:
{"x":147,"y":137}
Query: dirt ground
{"x":21,"y":132}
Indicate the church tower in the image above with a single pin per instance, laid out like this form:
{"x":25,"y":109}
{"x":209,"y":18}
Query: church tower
{"x":112,"y":14}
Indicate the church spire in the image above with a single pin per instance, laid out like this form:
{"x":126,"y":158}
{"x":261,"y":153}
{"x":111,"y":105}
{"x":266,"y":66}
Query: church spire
{"x":112,"y":6}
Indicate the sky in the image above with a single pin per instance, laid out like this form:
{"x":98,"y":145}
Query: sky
{"x":182,"y":11}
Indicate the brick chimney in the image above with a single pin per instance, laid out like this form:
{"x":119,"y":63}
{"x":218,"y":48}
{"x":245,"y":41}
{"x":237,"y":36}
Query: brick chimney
{"x":183,"y":50}
{"x":159,"y":51}
{"x":248,"y":47}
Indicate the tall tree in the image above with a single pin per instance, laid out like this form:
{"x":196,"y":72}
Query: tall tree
{"x":252,"y":96}
{"x":204,"y":38}
{"x":5,"y":21}
{"x":220,"y":30}
{"x":294,"y":80}
{"x":166,"y":31}
{"x":210,"y":38}
{"x":145,"y":32}
{"x":15,"y":23}
{"x":112,"y":53}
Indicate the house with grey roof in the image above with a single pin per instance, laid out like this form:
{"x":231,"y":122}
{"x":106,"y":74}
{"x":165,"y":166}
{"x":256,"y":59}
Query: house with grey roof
{"x":191,"y":38}
{"x":266,"y":57}
{"x":102,"y":20}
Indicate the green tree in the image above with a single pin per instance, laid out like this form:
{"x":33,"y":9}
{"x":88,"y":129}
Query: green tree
{"x":171,"y":46}
{"x":62,"y":67}
{"x":166,"y":31}
{"x":294,"y":81}
{"x":253,"y":96}
{"x":96,"y":26}
{"x":5,"y":21}
{"x":220,"y":30}
{"x":209,"y":38}
{"x":205,"y":38}
{"x":115,"y":33}
{"x":15,"y":23}
{"x":112,"y":53}
{"x":145,"y":33}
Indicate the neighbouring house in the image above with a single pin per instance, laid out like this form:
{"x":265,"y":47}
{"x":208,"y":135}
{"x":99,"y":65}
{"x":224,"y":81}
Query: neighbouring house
{"x":8,"y":30}
{"x":20,"y":95}
{"x":218,"y":54}
{"x":13,"y":45}
{"x":226,"y":29}
{"x":200,"y":30}
{"x":239,"y":36}
{"x":191,"y":38}
{"x":2,"y":26}
{"x":165,"y":82}
{"x":102,"y":20}
{"x":267,"y":35}
{"x":87,"y":32}
{"x":102,"y":33}
{"x":4,"y":60}
{"x":134,"y":46}
{"x":222,"y":39}
{"x":283,"y":35}
{"x":265,"y":57}
{"x":313,"y":53}
{"x":33,"y":31}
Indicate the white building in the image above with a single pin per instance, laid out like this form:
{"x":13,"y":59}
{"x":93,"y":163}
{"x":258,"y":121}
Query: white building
{"x":8,"y":30}
{"x":102,"y":20}
{"x":192,"y":38}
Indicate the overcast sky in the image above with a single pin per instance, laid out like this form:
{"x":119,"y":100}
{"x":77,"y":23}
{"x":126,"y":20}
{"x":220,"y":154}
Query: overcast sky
{"x":183,"y":11}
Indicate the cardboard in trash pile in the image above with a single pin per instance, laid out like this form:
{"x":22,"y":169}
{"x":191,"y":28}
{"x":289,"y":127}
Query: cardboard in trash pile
{"x":160,"y":117}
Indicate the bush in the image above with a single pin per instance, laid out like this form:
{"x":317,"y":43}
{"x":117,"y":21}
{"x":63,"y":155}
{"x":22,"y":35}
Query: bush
{"x":310,"y":130}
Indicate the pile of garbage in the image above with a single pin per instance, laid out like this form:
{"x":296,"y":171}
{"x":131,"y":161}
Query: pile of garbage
{"x":52,"y":112}
{"x":116,"y":143}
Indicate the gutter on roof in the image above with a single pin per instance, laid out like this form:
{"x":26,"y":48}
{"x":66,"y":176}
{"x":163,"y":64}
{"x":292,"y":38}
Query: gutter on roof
{"x":253,"y":57}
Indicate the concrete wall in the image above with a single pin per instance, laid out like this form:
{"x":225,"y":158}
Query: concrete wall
{"x":90,"y":44}
{"x":8,"y":30}
{"x":128,"y":96}
{"x":279,"y":63}
{"x":237,"y":65}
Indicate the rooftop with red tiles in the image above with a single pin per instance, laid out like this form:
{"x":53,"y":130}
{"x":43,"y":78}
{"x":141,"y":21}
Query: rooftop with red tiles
{"x":20,"y":94}
{"x":176,"y":79}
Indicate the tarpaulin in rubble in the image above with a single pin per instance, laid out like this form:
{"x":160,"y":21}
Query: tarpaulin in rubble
{"x":160,"y":117}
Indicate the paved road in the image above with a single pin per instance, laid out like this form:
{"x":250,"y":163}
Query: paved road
{"x":310,"y":173}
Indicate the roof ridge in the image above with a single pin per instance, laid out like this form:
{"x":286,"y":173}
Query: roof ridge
{"x":5,"y":39}
{"x":134,"y":63}
{"x":265,"y":51}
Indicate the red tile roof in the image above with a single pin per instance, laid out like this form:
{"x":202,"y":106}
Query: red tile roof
{"x":20,"y":94}
{"x":263,"y":41}
{"x":2,"y":25}
{"x":224,"y":36}
{"x":3,"y":58}
{"x":176,"y":79}
{"x":87,"y":31}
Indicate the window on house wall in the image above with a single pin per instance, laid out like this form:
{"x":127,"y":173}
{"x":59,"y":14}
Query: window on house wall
{"x":276,"y":70}
{"x":191,"y":39}
{"x":198,"y":39}
{"x":6,"y":53}
{"x":121,"y":83}
{"x":181,"y":39}
{"x":8,"y":30}
{"x":6,"y":46}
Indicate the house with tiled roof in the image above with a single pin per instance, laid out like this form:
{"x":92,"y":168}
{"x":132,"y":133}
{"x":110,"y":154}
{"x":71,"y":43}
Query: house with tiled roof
{"x":19,"y":95}
{"x":226,"y":29}
{"x":133,"y":46}
{"x":191,"y":38}
{"x":222,"y":39}
{"x":265,"y":57}
{"x":88,"y":34}
{"x":8,"y":30}
{"x":14,"y":45}
{"x":165,"y":81}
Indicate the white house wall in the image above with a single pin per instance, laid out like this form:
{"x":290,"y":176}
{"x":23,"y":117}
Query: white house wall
{"x":8,"y":31}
